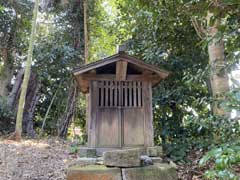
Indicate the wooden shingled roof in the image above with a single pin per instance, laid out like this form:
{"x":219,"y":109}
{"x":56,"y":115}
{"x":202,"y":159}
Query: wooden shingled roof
{"x":87,"y":72}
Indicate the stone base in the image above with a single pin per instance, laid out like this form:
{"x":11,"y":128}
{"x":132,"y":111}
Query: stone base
{"x":98,"y":172}
{"x":129,"y":164}
{"x":93,"y":172}
{"x":154,"y":151}
{"x":122,"y":158}
{"x":87,"y":152}
{"x":154,"y":172}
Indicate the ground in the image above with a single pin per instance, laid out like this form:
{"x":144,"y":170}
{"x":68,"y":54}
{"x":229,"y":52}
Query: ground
{"x":35,"y":159}
{"x":49,"y":159}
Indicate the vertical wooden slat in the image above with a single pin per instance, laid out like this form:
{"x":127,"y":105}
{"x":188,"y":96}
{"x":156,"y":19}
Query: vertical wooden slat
{"x":126,"y":95}
{"x":111,"y":93}
{"x":130,"y":88}
{"x":99,"y":94}
{"x":139,"y":94}
{"x":106,"y":93}
{"x":135,"y":94}
{"x":102,"y":93}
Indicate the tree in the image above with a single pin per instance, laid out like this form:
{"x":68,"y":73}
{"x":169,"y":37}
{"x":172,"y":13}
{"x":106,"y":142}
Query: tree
{"x":15,"y":19}
{"x":19,"y":119}
{"x":211,"y":21}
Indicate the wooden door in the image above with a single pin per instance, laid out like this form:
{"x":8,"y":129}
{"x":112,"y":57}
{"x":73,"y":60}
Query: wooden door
{"x":120,"y":114}
{"x":108,"y":114}
{"x":132,"y":114}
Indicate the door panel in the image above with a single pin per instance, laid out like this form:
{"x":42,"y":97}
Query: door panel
{"x":120,"y":114}
{"x":133,"y":126}
{"x":108,"y":127}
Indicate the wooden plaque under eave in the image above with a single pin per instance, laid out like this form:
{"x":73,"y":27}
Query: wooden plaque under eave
{"x":120,"y":100}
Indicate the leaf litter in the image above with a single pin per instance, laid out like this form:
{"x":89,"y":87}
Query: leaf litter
{"x":46,"y":159}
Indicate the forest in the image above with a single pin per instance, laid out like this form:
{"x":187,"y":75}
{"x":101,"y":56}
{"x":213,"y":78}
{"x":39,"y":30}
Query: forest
{"x":196,"y":110}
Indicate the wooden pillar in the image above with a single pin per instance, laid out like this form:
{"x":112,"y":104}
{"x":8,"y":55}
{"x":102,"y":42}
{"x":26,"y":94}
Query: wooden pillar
{"x":148,"y":123}
{"x":92,"y":114}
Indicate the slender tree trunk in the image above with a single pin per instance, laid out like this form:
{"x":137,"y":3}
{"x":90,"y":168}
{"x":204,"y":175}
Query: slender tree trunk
{"x":85,"y":9}
{"x":19,"y":120}
{"x":66,"y":120}
{"x":85,"y":14}
{"x":219,"y":77}
{"x":48,"y":110}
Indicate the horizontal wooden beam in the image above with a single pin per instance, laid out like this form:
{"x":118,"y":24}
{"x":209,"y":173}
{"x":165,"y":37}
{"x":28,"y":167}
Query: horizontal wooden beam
{"x":113,"y":77}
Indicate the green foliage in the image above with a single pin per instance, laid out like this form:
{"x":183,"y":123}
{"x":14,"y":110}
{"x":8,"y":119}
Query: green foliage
{"x":57,"y":52}
{"x":159,"y":38}
{"x":6,"y":117}
{"x":224,"y":157}
{"x":74,"y":148}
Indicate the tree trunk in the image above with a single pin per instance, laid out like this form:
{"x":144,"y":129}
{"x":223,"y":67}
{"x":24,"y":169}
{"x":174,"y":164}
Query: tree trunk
{"x":5,"y":73}
{"x":32,"y":97}
{"x":48,"y":110}
{"x":66,"y":120}
{"x":14,"y":94}
{"x":19,"y":120}
{"x":219,"y":77}
{"x":85,"y":15}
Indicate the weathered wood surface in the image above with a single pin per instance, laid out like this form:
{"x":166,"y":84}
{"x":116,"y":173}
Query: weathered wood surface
{"x":148,"y":127}
{"x":93,"y":115}
{"x":120,"y":114}
{"x":122,"y":158}
{"x":133,"y":126}
{"x":108,"y":128}
{"x":121,"y":70}
{"x":111,"y":77}
{"x":121,"y":57}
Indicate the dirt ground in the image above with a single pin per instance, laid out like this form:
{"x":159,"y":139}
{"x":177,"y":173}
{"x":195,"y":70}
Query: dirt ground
{"x":49,"y":159}
{"x":34,"y":159}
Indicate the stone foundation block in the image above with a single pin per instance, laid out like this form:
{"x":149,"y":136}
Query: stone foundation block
{"x":122,"y":158}
{"x":157,"y":159}
{"x":93,"y":172}
{"x":85,"y":161}
{"x":155,"y":151}
{"x":87,"y":152}
{"x":154,"y":172}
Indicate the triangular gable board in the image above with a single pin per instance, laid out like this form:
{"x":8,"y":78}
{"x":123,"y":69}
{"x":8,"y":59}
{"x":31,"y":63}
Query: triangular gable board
{"x":89,"y":69}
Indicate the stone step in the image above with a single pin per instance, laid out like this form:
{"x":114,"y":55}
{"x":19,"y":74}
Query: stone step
{"x":122,"y":158}
{"x":154,"y":151}
{"x":93,"y":172}
{"x":159,"y":171}
{"x":154,"y":172}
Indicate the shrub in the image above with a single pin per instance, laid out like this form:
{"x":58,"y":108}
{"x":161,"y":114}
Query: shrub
{"x":6,"y":117}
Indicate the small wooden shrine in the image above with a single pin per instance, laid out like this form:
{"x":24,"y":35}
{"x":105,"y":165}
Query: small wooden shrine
{"x":120,"y":100}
